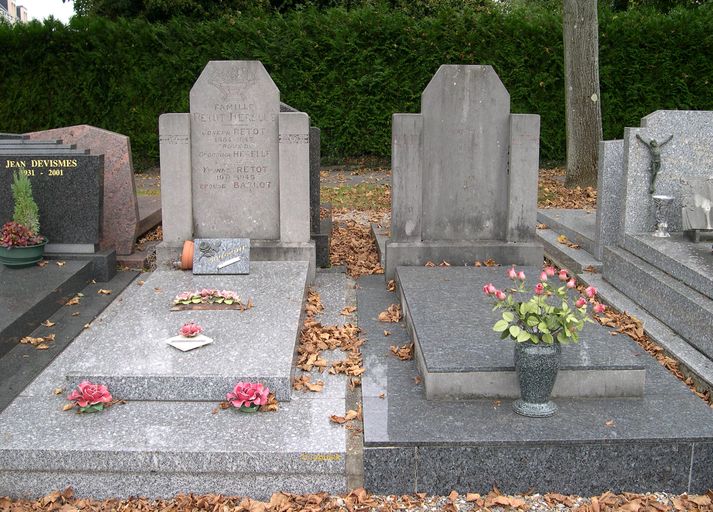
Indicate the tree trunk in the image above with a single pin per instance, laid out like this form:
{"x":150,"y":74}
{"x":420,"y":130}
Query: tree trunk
{"x":582,"y":105}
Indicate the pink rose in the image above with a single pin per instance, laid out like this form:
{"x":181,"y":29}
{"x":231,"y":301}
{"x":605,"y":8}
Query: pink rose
{"x":550,"y":271}
{"x":599,"y":308}
{"x":571,"y":283}
{"x":543,"y":276}
{"x":205,"y":292}
{"x":184,"y":296}
{"x":539,"y":289}
{"x":88,"y":393}
{"x":591,"y":291}
{"x":247,"y":394}
{"x":512,"y":273}
{"x":190,"y":330}
{"x":580,"y":302}
{"x":521,"y":275}
{"x":489,"y":289}
{"x":500,"y":295}
{"x":563,"y":275}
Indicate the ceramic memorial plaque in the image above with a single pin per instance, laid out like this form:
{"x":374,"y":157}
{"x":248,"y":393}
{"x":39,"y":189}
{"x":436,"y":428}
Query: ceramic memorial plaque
{"x":221,"y":256}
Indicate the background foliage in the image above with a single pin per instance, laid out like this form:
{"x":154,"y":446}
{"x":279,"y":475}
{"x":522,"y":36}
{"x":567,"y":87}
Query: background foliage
{"x":350,"y":69}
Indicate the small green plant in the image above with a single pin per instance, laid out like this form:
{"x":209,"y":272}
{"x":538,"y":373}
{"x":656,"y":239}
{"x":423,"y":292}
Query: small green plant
{"x":26,"y":211}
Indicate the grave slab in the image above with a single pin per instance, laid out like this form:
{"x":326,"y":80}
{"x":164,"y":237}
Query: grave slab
{"x":461,"y":357}
{"x":578,"y":225}
{"x":416,"y":445}
{"x":129,"y":353}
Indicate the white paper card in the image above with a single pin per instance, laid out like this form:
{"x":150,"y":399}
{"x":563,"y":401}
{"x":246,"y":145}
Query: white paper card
{"x":185,"y":344}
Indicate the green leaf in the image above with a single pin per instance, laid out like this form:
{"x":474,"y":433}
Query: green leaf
{"x":500,"y":326}
{"x":505,"y":334}
{"x":542,"y":327}
{"x":523,"y":336}
{"x":562,"y":337}
{"x":547,"y":338}
{"x":508,"y":316}
{"x":532,"y":321}
{"x":514,"y":331}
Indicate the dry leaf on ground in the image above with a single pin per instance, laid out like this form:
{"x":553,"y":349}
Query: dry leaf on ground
{"x":392,"y":314}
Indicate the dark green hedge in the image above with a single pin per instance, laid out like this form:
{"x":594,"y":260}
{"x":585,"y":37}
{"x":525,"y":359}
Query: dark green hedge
{"x":350,"y":70}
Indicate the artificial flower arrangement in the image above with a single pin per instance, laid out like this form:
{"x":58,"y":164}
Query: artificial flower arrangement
{"x":207,"y":296}
{"x":248,"y":396}
{"x":190,"y":330}
{"x":551,"y":314}
{"x":89,"y":397}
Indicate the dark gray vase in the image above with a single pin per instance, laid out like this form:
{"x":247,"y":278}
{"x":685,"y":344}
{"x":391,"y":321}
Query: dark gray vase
{"x":536,"y":366}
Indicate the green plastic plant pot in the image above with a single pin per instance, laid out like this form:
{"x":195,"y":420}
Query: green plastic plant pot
{"x":21,"y":257}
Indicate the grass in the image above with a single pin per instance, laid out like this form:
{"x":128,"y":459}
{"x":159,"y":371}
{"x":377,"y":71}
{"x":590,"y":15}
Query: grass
{"x":364,"y":196}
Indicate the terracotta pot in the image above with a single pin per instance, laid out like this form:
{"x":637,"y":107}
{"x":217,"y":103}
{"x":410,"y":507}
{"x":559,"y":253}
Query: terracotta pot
{"x":187,"y":255}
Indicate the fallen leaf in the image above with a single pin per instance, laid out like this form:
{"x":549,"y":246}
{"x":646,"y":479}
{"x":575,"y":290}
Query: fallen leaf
{"x":48,"y":323}
{"x":67,"y":407}
{"x":42,"y":263}
{"x":392,"y":314}
{"x":140,"y":282}
{"x":73,"y":301}
{"x":405,"y":352}
{"x":387,"y":333}
{"x":86,"y":326}
{"x":60,"y":263}
{"x":348,"y":310}
{"x":472,"y":496}
{"x":76,"y":313}
{"x":429,"y":264}
{"x":417,"y":379}
{"x":102,"y":291}
{"x":382,"y":395}
{"x":391,"y":285}
{"x":453,"y":495}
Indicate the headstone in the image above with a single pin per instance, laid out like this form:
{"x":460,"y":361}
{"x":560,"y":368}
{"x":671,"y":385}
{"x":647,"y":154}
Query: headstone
{"x":610,"y":196}
{"x":249,"y":166}
{"x":120,"y":205}
{"x":175,"y":152}
{"x":221,"y":256}
{"x":688,"y":154}
{"x":464,"y":175}
{"x":68,"y":191}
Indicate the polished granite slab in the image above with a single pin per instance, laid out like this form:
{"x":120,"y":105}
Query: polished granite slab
{"x":661,"y":441}
{"x":130,"y":355}
{"x":450,"y":321}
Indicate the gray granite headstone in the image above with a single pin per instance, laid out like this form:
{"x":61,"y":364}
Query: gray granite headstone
{"x":464,"y":175}
{"x":67,"y":188}
{"x":221,"y":256}
{"x":689,"y":153}
{"x":234,"y":141}
{"x":175,"y":146}
{"x":610,"y":196}
{"x":466,"y":112}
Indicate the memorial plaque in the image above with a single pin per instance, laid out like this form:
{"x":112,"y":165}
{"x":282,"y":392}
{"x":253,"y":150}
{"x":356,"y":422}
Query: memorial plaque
{"x":68,"y":191}
{"x":221,"y":256}
{"x":234,"y":141}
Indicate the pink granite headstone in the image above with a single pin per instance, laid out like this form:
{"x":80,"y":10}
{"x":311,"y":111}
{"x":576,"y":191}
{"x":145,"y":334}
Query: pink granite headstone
{"x":121,"y":210}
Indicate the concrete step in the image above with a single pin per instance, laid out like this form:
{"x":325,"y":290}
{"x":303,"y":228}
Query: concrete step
{"x":578,"y":225}
{"x":129,"y":352}
{"x":683,"y":309}
{"x":574,"y":260}
{"x":693,"y":362}
{"x":28,"y":296}
{"x":691,"y":263}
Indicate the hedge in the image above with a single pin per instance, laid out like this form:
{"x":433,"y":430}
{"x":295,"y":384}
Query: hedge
{"x":349,"y":69}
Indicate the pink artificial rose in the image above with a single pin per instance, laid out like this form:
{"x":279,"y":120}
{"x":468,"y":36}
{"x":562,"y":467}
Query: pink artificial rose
{"x":580,"y":302}
{"x":563,"y":275}
{"x":190,"y":330}
{"x":512,"y":273}
{"x":205,"y":292}
{"x":571,"y":283}
{"x":550,"y":271}
{"x":543,"y":276}
{"x":500,"y":295}
{"x":90,"y":394}
{"x":599,"y":308}
{"x":521,"y":275}
{"x":489,"y":289}
{"x":591,"y":291}
{"x":184,"y":296}
{"x":248,"y":394}
{"x":539,"y":289}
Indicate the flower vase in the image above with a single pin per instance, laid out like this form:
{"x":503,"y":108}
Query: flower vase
{"x":536,"y":366}
{"x":662,"y":213}
{"x":249,"y":408}
{"x":22,"y":256}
